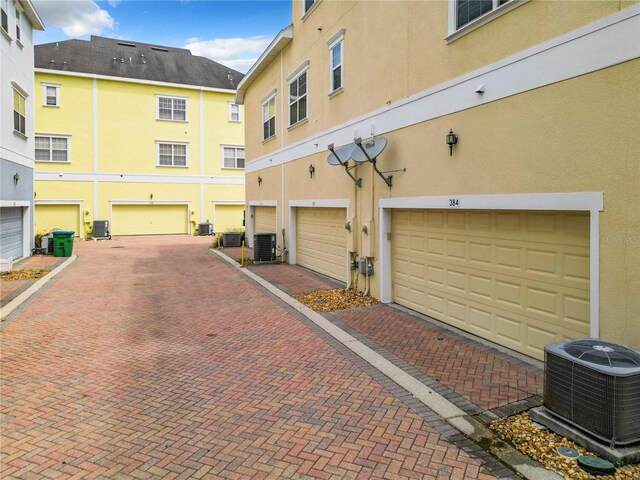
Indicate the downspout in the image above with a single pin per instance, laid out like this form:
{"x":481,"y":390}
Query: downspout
{"x":282,"y":206}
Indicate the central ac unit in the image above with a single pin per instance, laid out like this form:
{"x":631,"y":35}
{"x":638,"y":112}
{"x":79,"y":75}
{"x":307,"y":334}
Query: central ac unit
{"x":595,"y":386}
{"x":205,"y":229}
{"x":264,"y":247}
{"x":101,"y":229}
{"x":47,"y":244}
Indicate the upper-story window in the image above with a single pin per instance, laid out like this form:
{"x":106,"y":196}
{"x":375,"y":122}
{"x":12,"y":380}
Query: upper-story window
{"x":234,"y":112}
{"x":269,"y":117}
{"x":308,"y":4}
{"x":4,"y":18}
{"x":18,"y":20}
{"x":52,"y":148}
{"x":298,"y":97}
{"x":19,"y":111}
{"x":336,"y":60}
{"x":172,"y":154}
{"x":50,"y":94}
{"x":172,"y":108}
{"x":233,"y":157}
{"x":467,"y":15}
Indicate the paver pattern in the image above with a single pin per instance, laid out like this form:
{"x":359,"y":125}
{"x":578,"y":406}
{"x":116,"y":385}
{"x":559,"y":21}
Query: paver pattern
{"x":158,"y":360}
{"x":11,"y":289}
{"x":479,"y":374}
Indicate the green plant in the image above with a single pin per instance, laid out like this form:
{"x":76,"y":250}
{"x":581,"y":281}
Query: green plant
{"x":38,"y":240}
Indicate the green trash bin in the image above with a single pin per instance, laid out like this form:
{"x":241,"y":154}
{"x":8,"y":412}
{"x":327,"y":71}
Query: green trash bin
{"x":63,"y":243}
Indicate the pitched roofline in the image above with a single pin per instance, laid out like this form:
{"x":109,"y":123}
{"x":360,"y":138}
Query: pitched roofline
{"x":133,"y":80}
{"x":283,"y":38}
{"x":32,"y":14}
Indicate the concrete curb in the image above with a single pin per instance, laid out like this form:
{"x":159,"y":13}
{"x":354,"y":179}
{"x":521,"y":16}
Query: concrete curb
{"x":24,"y":296}
{"x":453,"y":415}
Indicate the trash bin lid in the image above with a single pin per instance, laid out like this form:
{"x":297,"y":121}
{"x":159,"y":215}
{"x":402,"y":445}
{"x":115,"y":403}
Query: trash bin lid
{"x":64,"y":232}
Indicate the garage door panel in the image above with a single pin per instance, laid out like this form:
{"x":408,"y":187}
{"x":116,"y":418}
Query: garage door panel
{"x":264,"y":219}
{"x":321,"y":240}
{"x":500,"y":277}
{"x":227,"y":217}
{"x":57,"y":217}
{"x":149,"y":219}
{"x":11,"y":234}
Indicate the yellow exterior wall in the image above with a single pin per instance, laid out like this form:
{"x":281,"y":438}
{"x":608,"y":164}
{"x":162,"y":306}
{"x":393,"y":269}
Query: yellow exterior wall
{"x":576,"y":135}
{"x":127,"y":132}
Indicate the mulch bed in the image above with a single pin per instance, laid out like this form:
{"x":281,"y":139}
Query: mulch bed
{"x":541,"y":445}
{"x":32,"y":274}
{"x":334,"y":299}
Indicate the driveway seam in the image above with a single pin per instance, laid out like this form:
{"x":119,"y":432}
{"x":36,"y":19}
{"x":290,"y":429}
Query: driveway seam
{"x":458,"y":424}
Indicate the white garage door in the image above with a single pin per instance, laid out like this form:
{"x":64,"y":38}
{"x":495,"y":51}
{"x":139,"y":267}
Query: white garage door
{"x":11,"y":232}
{"x":149,"y":219}
{"x":321,"y":241}
{"x":520,"y":279}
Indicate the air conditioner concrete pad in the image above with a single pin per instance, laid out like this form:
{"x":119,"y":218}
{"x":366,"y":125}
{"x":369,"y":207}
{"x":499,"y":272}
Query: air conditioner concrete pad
{"x":619,"y":456}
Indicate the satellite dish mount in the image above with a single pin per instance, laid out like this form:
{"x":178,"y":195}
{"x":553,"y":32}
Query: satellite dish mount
{"x":344,"y":152}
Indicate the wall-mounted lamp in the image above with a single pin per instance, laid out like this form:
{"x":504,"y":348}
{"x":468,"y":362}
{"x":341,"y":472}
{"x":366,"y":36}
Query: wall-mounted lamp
{"x":312,"y":170}
{"x":452,"y":139}
{"x":347,"y":226}
{"x":151,"y":196}
{"x":192,"y":212}
{"x":259,"y":181}
{"x":16,"y":178}
{"x":86,"y":213}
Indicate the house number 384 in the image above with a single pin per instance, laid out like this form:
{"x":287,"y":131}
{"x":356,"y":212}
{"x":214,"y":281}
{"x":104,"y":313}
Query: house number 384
{"x":454,"y":202}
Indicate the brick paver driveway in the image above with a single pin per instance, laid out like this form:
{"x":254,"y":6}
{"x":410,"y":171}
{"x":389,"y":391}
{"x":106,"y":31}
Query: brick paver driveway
{"x":153,"y":358}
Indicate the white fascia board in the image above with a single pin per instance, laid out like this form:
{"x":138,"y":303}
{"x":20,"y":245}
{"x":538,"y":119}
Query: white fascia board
{"x":580,"y":201}
{"x":263,"y":203}
{"x":601,"y":44}
{"x":150,"y":202}
{"x":32,"y":14}
{"x":58,"y":202}
{"x":14,"y":203}
{"x":326,"y":203}
{"x":137,"y":178}
{"x":227,"y":202}
{"x":283,"y":38}
{"x":133,"y":80}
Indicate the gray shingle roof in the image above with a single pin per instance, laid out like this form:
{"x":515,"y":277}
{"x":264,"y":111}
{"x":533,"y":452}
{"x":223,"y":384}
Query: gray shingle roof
{"x":123,"y":58}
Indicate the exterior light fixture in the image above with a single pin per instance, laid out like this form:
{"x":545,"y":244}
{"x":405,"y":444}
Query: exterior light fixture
{"x":151,"y":196}
{"x":312,"y":170}
{"x":259,"y":181}
{"x":16,"y":177}
{"x":452,"y":139}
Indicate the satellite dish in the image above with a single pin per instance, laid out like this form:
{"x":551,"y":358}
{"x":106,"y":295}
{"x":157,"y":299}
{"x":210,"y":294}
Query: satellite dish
{"x":341,"y":155}
{"x":373,"y":147}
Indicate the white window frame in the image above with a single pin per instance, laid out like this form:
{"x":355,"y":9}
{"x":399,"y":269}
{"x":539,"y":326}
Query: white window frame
{"x":24,"y":95}
{"x":307,"y":11}
{"x":172,"y":98}
{"x":231,"y":106}
{"x":18,"y":24}
{"x":51,"y":136}
{"x":4,"y":6}
{"x":235,"y":147}
{"x":497,"y":10}
{"x":333,"y":42}
{"x":172,"y":143}
{"x":265,"y":103}
{"x":301,"y":70}
{"x":44,"y":94}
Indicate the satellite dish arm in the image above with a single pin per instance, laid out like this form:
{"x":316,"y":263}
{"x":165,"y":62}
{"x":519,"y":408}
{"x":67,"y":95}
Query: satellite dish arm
{"x":387,"y":180}
{"x":345,"y":164}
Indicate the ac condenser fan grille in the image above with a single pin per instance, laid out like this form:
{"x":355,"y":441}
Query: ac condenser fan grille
{"x":603,"y":353}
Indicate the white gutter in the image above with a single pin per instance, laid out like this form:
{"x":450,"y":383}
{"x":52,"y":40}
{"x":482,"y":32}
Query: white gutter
{"x":275,"y":47}
{"x":32,"y":14}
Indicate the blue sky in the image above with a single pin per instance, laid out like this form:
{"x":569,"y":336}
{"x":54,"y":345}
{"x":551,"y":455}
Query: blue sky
{"x":232,"y":32}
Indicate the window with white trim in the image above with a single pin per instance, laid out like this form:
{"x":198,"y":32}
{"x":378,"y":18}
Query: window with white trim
{"x":172,"y":108}
{"x":4,"y":21}
{"x":50,"y":95}
{"x":172,"y":154}
{"x":234,"y":112}
{"x":468,"y":10}
{"x":19,"y":112}
{"x":18,"y":31}
{"x":298,"y":99}
{"x":308,"y":4}
{"x":269,"y":118}
{"x":336,"y":75}
{"x":52,"y":148}
{"x":232,"y":157}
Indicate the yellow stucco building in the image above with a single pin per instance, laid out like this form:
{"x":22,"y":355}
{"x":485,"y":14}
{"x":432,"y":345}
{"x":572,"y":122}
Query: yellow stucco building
{"x":144,"y":136}
{"x":512,"y":127}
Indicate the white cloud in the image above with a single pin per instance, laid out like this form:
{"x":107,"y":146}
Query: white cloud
{"x":237,"y":53}
{"x":76,"y":18}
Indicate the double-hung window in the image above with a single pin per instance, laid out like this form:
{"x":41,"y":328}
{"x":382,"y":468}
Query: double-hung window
{"x":298,"y":97}
{"x":50,"y":95}
{"x":233,"y":157}
{"x":19,"y":112}
{"x":172,"y":108}
{"x":467,"y":15}
{"x":18,"y":30}
{"x":269,"y":117}
{"x":234,"y":112}
{"x":336,"y":61}
{"x":52,"y":148}
{"x":172,"y":154}
{"x":4,"y":18}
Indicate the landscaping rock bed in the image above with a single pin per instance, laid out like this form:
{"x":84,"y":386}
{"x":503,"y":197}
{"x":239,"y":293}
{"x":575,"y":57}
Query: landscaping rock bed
{"x":541,"y":445}
{"x":31,"y":274}
{"x":334,"y":299}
